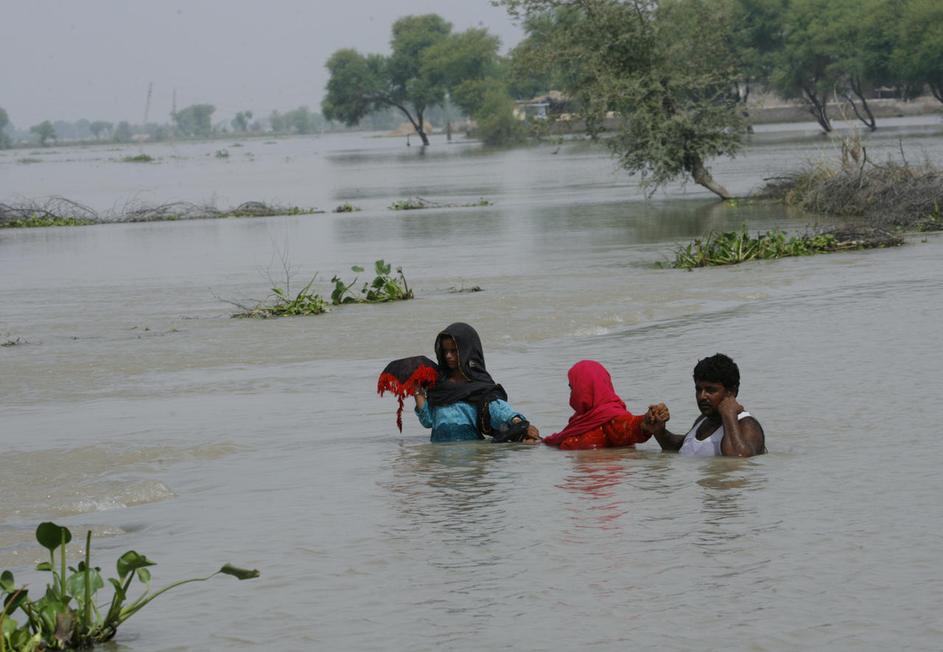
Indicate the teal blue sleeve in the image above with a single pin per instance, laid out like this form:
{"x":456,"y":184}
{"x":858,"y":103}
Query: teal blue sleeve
{"x":502,"y":413}
{"x":425,"y":415}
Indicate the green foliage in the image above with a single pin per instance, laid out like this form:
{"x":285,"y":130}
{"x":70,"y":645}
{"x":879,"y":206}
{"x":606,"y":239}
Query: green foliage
{"x":384,"y":286}
{"x":297,"y":121}
{"x":34,"y":221}
{"x":664,"y":70}
{"x":139,"y":158}
{"x":304,"y":302}
{"x":418,"y":203}
{"x":194,"y":120}
{"x":44,"y":132}
{"x":67,"y":615}
{"x":733,"y":247}
{"x":240,"y":123}
{"x":918,"y":54}
{"x":495,"y":117}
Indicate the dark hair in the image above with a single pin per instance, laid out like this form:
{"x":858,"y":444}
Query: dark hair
{"x":718,"y":368}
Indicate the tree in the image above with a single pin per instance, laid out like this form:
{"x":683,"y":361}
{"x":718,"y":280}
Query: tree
{"x":99,"y":127}
{"x":194,"y":120}
{"x":661,"y":69}
{"x":359,"y":84}
{"x":122,"y":132}
{"x":805,"y":67}
{"x":466,"y":65}
{"x":4,"y":123}
{"x":44,"y":131}
{"x":241,"y":122}
{"x":918,"y":57}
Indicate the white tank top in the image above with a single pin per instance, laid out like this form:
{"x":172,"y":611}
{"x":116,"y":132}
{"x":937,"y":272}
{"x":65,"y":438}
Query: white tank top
{"x":708,"y":447}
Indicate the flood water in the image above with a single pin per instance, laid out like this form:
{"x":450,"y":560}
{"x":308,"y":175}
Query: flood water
{"x":134,"y":406}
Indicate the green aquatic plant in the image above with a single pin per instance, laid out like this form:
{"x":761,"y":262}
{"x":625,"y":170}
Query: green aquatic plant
{"x":304,"y":302}
{"x":384,"y":286}
{"x":140,"y":158}
{"x":67,"y":615}
{"x":733,"y":247}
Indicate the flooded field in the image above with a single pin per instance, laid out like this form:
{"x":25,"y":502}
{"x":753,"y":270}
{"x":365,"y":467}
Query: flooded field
{"x":133,"y":405}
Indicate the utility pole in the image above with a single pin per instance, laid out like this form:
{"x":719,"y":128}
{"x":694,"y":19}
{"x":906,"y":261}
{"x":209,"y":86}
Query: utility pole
{"x":147,"y":104}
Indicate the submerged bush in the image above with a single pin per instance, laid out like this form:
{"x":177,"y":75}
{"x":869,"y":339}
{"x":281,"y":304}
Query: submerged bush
{"x":67,"y":616}
{"x":418,"y":203}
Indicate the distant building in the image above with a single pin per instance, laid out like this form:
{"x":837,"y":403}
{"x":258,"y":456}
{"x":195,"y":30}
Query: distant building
{"x":542,"y":107}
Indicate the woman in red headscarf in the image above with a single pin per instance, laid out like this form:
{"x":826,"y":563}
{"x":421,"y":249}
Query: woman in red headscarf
{"x":600,"y":419}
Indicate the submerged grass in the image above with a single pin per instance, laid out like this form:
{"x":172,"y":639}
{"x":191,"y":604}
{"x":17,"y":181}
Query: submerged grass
{"x":733,"y":247}
{"x":305,"y":302}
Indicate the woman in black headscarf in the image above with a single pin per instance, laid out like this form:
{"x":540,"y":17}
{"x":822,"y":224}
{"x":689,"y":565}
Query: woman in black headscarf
{"x":465,"y":403}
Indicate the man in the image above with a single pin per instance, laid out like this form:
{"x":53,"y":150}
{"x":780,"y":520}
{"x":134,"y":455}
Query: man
{"x":724,"y":427}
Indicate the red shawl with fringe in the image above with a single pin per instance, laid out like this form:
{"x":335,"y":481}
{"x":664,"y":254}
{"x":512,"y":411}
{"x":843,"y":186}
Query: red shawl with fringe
{"x":403,"y":377}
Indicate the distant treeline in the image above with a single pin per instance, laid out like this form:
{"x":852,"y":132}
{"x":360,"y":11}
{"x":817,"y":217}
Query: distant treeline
{"x":195,"y":121}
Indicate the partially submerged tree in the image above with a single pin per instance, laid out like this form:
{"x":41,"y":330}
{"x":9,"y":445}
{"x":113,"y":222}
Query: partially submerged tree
{"x":99,"y":127}
{"x":662,"y":70}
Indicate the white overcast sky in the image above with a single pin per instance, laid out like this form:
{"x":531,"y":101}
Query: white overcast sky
{"x":71,"y":59}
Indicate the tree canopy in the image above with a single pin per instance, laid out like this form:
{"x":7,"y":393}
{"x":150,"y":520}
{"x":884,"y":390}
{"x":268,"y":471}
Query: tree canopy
{"x":664,"y":70}
{"x":44,"y":132}
{"x":194,"y":120}
{"x":427,"y":64}
{"x":4,"y":122}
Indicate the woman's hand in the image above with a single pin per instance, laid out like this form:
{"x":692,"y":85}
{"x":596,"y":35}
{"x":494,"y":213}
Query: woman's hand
{"x":656,"y":417}
{"x":532,"y":436}
{"x":420,"y":395}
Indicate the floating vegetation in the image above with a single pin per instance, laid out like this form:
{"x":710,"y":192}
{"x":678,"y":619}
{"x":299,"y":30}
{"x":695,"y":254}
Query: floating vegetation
{"x":346,"y":207}
{"x":54,"y":211}
{"x":140,"y":158}
{"x":222,"y":153}
{"x":66,"y":615}
{"x":893,"y":194}
{"x":384,"y":287}
{"x":733,"y":247}
{"x":14,"y":342}
{"x":418,"y":203}
{"x":28,"y":160}
{"x":58,"y":211}
{"x":305,"y":302}
{"x":463,"y":289}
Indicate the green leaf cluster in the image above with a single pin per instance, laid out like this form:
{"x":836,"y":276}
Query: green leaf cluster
{"x":384,"y":286}
{"x":733,"y":247}
{"x":68,"y":616}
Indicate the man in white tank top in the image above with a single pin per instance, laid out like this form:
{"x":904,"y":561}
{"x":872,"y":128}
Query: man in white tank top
{"x":724,"y":427}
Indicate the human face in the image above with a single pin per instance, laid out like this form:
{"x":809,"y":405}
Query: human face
{"x":709,"y":395}
{"x":449,"y":352}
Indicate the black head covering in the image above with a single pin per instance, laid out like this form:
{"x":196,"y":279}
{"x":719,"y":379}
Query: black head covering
{"x":480,"y":387}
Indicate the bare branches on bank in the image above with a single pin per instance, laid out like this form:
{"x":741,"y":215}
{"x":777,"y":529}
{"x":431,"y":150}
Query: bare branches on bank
{"x":59,"y":211}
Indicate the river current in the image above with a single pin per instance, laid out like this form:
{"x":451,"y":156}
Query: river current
{"x":134,"y":406}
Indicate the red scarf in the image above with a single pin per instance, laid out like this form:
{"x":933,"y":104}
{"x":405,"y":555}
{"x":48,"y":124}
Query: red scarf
{"x":593,"y":399}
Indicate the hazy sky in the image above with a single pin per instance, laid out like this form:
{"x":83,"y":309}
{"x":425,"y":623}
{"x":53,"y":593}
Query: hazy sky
{"x":71,"y":59}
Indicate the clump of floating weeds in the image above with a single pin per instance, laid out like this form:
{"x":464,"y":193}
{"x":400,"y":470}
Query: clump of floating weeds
{"x":304,"y":302}
{"x":140,"y":158}
{"x":733,"y":247}
{"x":418,"y":203}
{"x":384,"y":286}
{"x":67,"y":615}
{"x":346,"y":207}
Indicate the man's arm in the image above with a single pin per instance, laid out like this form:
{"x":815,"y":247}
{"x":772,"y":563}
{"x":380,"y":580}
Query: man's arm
{"x":654,"y":422}
{"x":742,"y":437}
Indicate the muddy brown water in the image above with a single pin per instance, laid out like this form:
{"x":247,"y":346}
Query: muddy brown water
{"x":133,"y":405}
